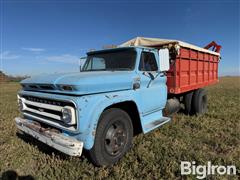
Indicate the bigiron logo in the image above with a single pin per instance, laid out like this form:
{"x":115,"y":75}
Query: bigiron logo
{"x":202,"y":171}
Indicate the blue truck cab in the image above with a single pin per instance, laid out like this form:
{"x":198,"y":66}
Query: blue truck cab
{"x":118,"y":93}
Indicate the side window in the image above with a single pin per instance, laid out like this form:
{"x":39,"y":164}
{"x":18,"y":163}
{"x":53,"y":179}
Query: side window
{"x":148,"y":62}
{"x":96,"y":63}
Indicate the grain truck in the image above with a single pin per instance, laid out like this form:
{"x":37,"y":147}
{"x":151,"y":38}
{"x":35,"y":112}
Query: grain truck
{"x":120,"y":92}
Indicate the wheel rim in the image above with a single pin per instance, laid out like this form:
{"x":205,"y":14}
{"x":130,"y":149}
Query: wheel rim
{"x":115,"y":139}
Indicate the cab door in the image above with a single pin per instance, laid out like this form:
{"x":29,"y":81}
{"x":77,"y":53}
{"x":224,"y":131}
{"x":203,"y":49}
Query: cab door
{"x":153,"y":89}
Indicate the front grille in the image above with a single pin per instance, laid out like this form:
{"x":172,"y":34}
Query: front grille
{"x":44,"y":110}
{"x":47,"y":110}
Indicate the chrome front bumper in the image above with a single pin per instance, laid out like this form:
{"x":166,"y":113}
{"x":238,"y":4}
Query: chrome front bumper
{"x":65,"y":144}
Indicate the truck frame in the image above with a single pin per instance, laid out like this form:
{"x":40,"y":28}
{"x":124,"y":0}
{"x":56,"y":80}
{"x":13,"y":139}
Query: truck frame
{"x":120,"y":92}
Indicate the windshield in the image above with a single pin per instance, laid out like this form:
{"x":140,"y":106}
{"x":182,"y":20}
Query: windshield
{"x":114,"y":60}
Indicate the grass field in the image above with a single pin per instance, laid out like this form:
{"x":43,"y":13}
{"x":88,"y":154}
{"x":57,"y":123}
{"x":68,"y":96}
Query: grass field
{"x":213,"y":137}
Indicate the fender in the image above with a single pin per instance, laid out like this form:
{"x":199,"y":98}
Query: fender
{"x":88,"y":120}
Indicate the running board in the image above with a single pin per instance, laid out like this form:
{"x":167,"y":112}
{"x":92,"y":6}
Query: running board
{"x":157,"y":123}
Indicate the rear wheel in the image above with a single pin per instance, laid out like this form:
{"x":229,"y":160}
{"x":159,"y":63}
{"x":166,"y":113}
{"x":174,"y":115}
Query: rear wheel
{"x":113,"y":137}
{"x":199,"y":103}
{"x":187,"y":100}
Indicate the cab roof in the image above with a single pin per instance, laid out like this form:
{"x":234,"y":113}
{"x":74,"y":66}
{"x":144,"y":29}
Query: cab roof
{"x":118,"y":49}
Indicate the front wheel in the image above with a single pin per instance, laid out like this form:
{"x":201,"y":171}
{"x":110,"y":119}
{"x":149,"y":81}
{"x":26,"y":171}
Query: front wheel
{"x":113,"y":137}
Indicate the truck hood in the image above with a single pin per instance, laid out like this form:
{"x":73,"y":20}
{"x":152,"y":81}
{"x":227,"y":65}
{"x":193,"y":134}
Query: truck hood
{"x":81,"y":82}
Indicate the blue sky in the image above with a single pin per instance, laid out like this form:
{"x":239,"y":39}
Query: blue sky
{"x":50,"y":36}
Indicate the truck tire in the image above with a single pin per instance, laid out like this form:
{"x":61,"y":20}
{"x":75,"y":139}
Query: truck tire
{"x":199,"y":104}
{"x":113,"y":137}
{"x":187,"y":101}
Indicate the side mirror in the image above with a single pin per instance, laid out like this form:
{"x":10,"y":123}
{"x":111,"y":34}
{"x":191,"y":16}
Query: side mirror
{"x":82,"y":62}
{"x":163,"y":59}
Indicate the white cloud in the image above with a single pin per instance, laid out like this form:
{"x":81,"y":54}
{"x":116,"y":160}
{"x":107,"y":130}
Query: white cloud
{"x":65,"y":58}
{"x":33,"y":49}
{"x":8,"y":55}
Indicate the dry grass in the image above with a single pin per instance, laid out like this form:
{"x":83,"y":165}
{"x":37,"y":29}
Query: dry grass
{"x":213,"y":137}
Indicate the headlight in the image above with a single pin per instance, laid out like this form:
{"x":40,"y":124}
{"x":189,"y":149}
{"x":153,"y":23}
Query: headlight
{"x":66,"y":115}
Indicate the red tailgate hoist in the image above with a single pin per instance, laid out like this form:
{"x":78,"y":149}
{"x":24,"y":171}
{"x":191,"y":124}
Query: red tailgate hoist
{"x":214,"y":45}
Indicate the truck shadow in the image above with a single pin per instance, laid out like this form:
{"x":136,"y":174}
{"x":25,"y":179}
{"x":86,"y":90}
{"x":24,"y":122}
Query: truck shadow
{"x":43,"y":147}
{"x":12,"y":175}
